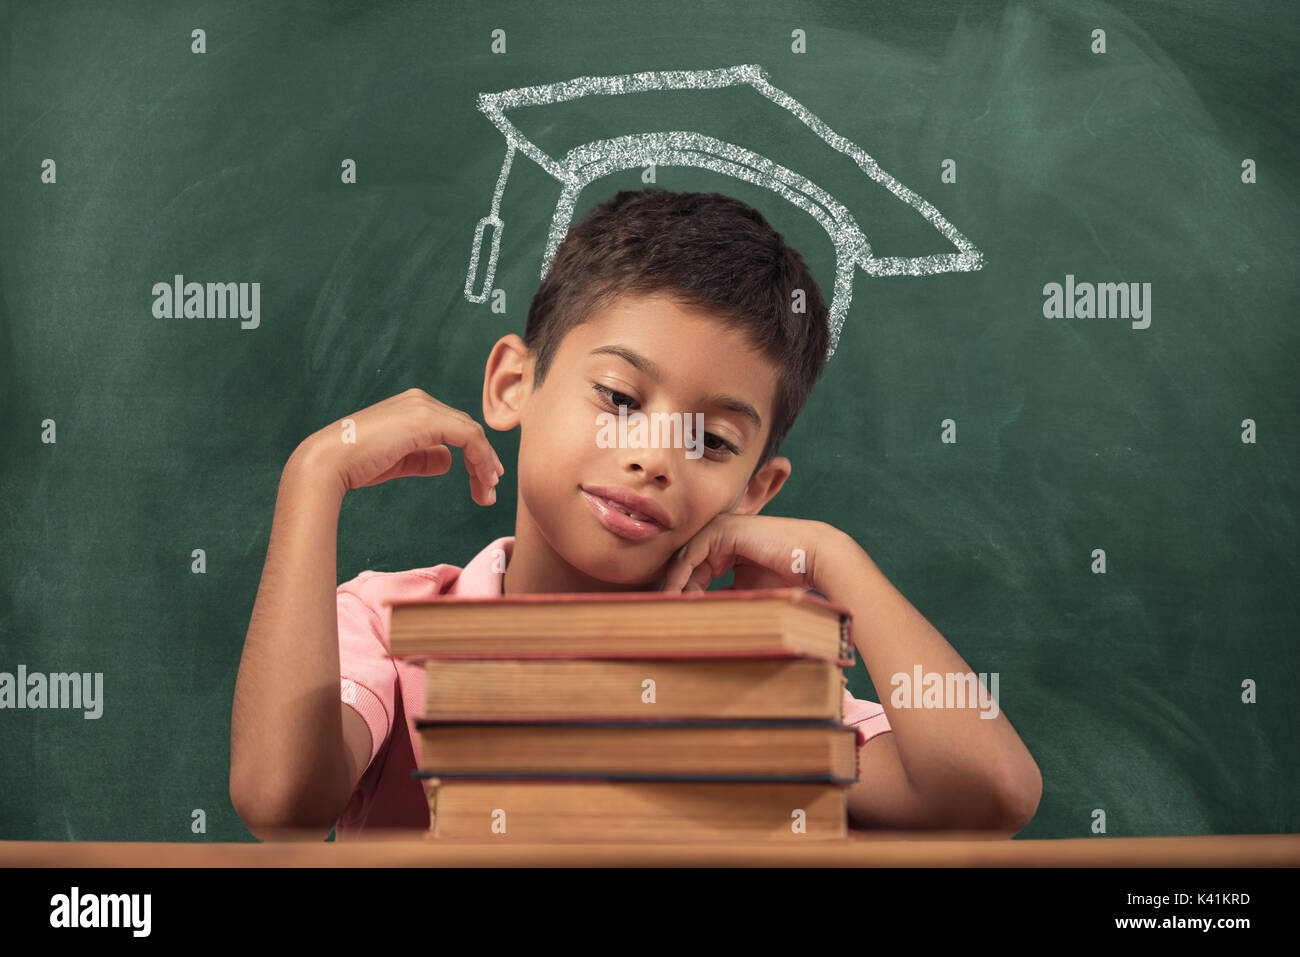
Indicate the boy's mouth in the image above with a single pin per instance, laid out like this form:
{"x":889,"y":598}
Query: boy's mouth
{"x":614,"y":508}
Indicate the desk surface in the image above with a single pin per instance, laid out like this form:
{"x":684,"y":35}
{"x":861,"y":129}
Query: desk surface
{"x":860,"y":849}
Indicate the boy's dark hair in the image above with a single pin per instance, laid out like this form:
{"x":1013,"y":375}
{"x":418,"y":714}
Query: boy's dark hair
{"x":702,"y":249}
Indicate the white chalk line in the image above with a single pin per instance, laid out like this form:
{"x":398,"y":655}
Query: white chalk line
{"x":584,"y":164}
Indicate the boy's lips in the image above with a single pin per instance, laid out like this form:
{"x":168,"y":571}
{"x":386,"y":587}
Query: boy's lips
{"x":631,"y":501}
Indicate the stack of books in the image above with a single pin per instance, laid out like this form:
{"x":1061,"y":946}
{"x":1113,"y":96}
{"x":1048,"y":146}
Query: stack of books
{"x":633,"y":715}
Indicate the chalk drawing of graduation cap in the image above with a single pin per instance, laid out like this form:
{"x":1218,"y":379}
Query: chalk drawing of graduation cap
{"x":584,"y":164}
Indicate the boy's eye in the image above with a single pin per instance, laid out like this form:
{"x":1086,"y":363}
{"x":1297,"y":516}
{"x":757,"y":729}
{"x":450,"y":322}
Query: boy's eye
{"x":612,"y":395}
{"x":613,"y":398}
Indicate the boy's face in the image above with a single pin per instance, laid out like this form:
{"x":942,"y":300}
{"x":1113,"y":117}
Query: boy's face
{"x":566,"y":540}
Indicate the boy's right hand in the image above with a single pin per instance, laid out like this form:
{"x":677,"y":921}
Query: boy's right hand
{"x":405,"y":435}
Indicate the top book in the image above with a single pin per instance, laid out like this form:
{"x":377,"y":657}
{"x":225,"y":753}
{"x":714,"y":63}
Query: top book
{"x":771,"y":622}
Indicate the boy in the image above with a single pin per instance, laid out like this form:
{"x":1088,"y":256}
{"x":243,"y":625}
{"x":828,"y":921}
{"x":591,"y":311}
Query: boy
{"x":660,"y":302}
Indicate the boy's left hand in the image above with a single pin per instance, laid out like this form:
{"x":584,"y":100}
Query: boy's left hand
{"x":765,"y":551}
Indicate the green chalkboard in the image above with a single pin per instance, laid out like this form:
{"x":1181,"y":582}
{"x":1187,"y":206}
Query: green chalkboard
{"x":988,"y":440}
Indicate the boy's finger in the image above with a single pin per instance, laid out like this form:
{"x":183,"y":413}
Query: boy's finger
{"x":480,"y":458}
{"x":485,"y":493}
{"x":700,"y":578}
{"x":671,"y":577}
{"x":684,"y":575}
{"x":678,"y":569}
{"x":487,"y":481}
{"x":481,"y":461}
{"x":434,"y":461}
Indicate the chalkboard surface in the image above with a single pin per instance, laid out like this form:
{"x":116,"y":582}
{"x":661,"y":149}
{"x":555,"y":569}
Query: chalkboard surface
{"x":1102,"y":511}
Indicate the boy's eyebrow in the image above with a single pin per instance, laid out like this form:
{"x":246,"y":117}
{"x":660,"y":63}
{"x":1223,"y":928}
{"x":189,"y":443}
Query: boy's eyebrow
{"x":720,"y":399}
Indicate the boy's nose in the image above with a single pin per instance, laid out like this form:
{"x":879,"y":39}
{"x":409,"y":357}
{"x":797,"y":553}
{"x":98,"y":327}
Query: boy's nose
{"x":653,"y":462}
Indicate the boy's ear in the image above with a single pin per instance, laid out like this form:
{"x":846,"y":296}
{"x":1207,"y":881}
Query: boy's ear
{"x":766,"y":482}
{"x":507,"y":374}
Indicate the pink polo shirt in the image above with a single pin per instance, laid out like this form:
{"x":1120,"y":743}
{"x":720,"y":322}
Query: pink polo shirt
{"x":389,"y":693}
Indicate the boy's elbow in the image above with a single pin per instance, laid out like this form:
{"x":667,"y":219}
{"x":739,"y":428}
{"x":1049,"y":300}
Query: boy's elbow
{"x":279,"y":827}
{"x":1017,"y":799}
{"x":279,"y":819}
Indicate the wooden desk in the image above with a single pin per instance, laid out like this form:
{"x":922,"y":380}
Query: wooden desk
{"x":861,"y":849}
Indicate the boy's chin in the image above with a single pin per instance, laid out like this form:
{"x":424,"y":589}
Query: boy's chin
{"x":624,"y":572}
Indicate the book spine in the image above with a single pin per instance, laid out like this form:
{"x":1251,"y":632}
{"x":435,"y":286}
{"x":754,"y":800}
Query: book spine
{"x":597,"y":654}
{"x":680,"y":818}
{"x":479,"y":776}
{"x":846,"y":640}
{"x":424,"y":722}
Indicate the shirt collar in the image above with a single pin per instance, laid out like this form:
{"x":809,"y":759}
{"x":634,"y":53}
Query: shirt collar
{"x":486,"y":570}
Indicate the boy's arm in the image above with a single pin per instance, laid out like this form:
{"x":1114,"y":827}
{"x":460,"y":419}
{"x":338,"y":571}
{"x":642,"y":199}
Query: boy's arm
{"x":291,"y":766}
{"x":297,"y":750}
{"x":937,"y":767}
